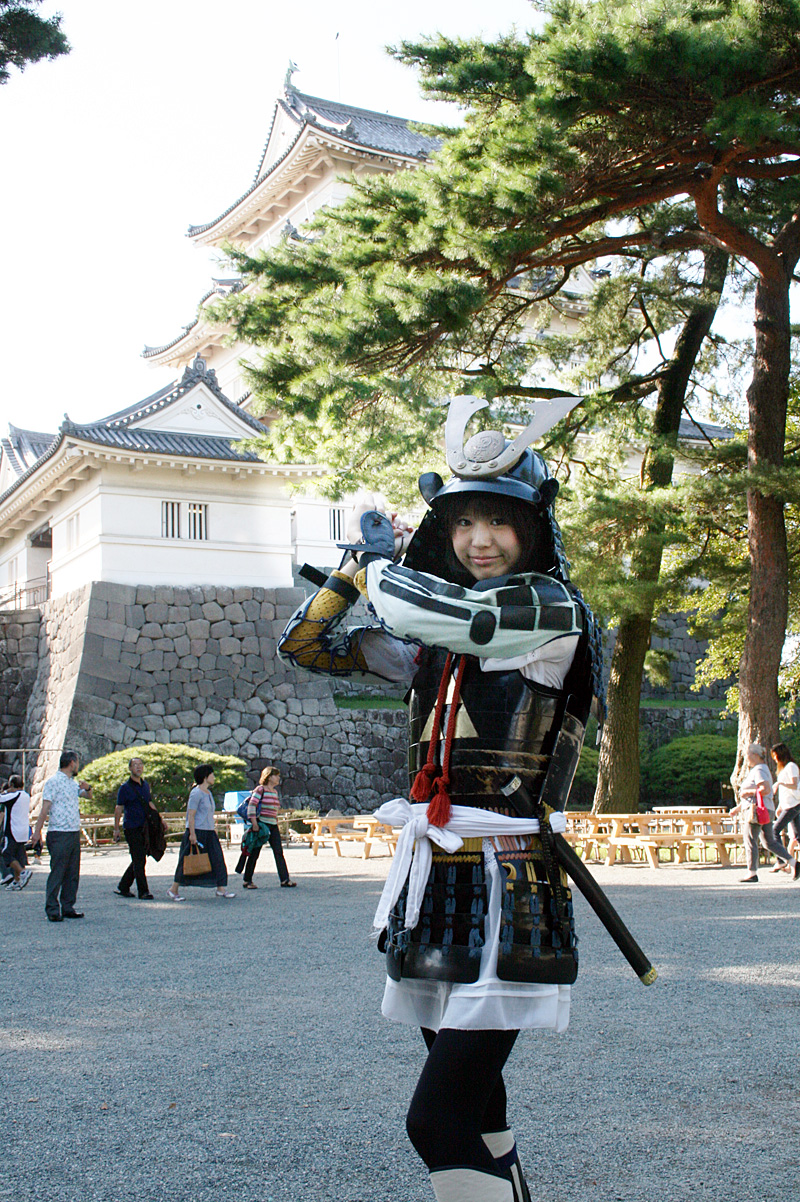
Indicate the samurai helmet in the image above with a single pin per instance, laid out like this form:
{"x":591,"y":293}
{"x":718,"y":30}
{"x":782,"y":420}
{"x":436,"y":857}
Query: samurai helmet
{"x":489,"y":463}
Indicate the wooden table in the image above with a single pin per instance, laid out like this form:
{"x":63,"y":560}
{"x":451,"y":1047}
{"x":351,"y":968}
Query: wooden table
{"x":587,"y":831}
{"x":335,"y":829}
{"x":676,"y":830}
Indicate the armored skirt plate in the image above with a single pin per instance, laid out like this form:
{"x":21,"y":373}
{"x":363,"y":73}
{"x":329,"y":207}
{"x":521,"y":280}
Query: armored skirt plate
{"x":449,"y":943}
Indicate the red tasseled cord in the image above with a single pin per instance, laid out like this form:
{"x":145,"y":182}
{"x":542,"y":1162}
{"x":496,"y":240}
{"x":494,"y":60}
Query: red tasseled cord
{"x":439,"y":810}
{"x":423,"y":781}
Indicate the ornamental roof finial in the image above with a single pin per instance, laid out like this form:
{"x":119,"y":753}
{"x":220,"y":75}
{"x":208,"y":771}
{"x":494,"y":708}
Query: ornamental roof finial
{"x":287,"y":82}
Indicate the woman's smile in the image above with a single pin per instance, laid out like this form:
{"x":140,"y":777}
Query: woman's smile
{"x":485,"y":546}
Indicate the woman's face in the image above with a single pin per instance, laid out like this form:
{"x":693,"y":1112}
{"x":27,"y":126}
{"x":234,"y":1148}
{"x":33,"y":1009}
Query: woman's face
{"x":485,"y":544}
{"x":753,"y":758}
{"x":209,"y":780}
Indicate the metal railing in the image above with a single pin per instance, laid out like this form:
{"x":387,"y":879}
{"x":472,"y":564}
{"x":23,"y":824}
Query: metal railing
{"x":26,"y":595}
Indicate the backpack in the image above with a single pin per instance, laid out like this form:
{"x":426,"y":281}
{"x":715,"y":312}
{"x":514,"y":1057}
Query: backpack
{"x":241,"y":809}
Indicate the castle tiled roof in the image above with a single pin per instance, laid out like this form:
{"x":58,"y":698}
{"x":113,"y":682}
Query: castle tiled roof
{"x":163,"y":442}
{"x":220,"y":288}
{"x":694,"y":431}
{"x":28,"y":450}
{"x":362,"y":128}
{"x":23,"y":448}
{"x":196,"y":372}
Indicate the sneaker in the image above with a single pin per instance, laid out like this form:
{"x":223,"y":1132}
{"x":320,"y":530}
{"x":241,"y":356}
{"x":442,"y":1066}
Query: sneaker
{"x":25,"y":876}
{"x":7,"y":879}
{"x":14,"y":887}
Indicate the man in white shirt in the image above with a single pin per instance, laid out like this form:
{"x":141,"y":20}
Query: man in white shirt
{"x":14,"y":824}
{"x":61,"y":810}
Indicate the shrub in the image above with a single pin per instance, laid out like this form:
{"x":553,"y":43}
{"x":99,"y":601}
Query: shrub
{"x":585,"y":782}
{"x":689,"y":770}
{"x":168,"y":768}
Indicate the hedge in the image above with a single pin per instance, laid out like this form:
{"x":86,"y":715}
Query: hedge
{"x":168,"y":767}
{"x":689,"y":770}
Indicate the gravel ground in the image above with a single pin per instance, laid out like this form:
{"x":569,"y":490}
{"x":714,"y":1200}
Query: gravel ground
{"x":218,"y":1050}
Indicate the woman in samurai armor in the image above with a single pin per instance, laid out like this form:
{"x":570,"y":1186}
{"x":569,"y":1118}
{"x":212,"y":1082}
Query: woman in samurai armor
{"x":502,"y":659}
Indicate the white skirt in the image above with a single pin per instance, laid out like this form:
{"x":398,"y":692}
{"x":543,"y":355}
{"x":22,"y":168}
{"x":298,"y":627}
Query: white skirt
{"x":487,"y":1004}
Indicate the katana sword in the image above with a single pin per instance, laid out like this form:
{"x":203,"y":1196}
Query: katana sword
{"x":577,"y":870}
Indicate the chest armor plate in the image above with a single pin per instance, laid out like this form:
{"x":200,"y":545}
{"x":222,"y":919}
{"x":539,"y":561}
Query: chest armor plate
{"x":505,"y":724}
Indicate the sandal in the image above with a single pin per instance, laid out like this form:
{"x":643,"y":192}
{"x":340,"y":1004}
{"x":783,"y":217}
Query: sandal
{"x":288,"y":884}
{"x":174,"y":896}
{"x":223,"y":893}
{"x":249,"y":885}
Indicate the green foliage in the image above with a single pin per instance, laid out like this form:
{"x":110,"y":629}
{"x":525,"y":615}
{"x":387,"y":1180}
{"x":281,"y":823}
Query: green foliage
{"x":168,"y":768}
{"x":689,"y":770}
{"x":26,"y":38}
{"x":431,"y":282}
{"x":585,"y":782}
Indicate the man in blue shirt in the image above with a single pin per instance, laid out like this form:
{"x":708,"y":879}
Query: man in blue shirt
{"x":133,"y":800}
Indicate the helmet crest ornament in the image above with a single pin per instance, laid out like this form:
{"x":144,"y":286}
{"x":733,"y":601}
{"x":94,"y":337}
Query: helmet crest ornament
{"x":487,"y":456}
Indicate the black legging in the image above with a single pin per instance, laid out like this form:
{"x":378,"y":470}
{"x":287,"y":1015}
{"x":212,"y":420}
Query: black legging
{"x":459,"y":1097}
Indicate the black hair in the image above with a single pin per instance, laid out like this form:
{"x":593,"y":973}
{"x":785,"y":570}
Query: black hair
{"x":201,"y":772}
{"x":16,"y":782}
{"x":782,"y":753}
{"x":66,"y":758}
{"x":530,"y":526}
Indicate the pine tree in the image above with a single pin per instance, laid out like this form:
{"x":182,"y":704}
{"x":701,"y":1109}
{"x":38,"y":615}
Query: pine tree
{"x":27,"y":38}
{"x":571,"y":133}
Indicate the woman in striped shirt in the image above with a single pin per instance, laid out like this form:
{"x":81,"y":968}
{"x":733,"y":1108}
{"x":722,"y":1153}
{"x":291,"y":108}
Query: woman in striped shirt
{"x":262,"y":814}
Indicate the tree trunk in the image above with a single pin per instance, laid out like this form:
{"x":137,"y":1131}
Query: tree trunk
{"x":618,"y":768}
{"x":766,"y":530}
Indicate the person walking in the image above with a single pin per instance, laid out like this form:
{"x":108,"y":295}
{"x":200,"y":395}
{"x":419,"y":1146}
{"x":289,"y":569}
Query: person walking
{"x":200,"y":833}
{"x":758,"y":783}
{"x":15,"y":804}
{"x":61,"y":811}
{"x":262,"y":814}
{"x":787,"y":790}
{"x":133,"y":802}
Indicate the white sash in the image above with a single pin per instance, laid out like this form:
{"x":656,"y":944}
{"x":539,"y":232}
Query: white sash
{"x":413,"y":855}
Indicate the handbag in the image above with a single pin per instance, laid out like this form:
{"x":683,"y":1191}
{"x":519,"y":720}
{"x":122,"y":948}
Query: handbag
{"x":196,"y":862}
{"x":761,"y":811}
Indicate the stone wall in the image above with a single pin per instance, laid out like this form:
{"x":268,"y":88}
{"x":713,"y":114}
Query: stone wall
{"x":19,"y":661}
{"x":662,"y":725}
{"x":120,"y":666}
{"x":685,"y":653}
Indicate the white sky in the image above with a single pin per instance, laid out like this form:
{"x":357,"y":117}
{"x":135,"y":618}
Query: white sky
{"x":154,"y":122}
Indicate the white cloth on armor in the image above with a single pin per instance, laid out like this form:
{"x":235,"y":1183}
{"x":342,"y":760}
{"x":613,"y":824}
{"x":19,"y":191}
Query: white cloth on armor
{"x":505,"y":621}
{"x":413,"y":854}
{"x":488,"y":1003}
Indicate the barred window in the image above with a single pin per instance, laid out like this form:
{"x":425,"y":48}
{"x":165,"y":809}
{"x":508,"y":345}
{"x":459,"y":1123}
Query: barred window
{"x":170,"y":519}
{"x":336,"y":524}
{"x":197,"y":520}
